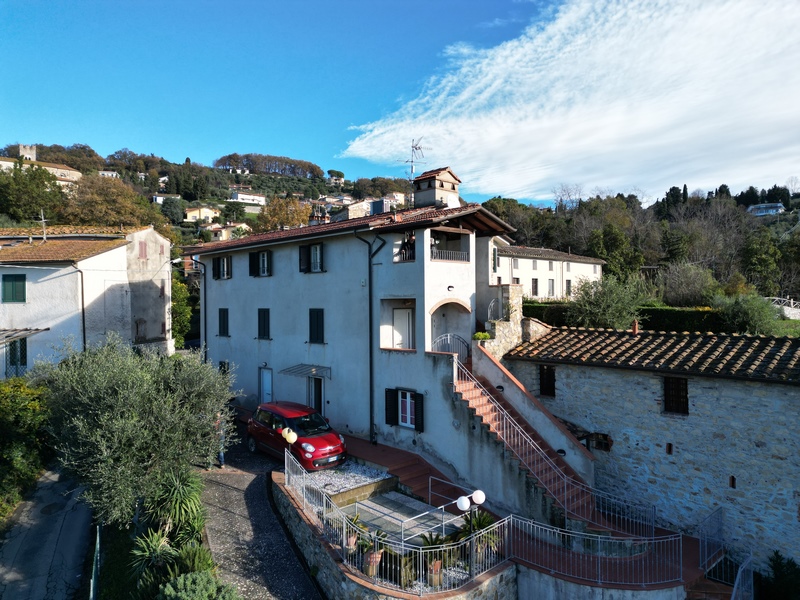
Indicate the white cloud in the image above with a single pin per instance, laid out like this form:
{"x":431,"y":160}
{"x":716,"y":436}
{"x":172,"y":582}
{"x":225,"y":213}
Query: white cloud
{"x":614,"y":94}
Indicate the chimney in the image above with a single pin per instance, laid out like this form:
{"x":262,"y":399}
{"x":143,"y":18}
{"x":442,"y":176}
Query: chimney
{"x":635,"y":327}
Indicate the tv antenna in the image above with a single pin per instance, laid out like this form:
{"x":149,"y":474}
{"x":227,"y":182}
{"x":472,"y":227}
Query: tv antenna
{"x":417,"y":152}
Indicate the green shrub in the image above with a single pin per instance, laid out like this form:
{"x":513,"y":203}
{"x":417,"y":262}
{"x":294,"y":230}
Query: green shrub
{"x":191,"y":558}
{"x":481,"y":335}
{"x":747,"y":313}
{"x":783,"y":581}
{"x":680,"y":319}
{"x":553,"y":313}
{"x":23,"y":440}
{"x":202,"y":585}
{"x":608,"y":302}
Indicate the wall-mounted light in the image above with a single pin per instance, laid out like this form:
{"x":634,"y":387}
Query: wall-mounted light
{"x":450,"y":288}
{"x":264,"y":364}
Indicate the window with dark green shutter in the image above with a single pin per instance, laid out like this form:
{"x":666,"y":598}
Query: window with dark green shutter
{"x":263,"y":323}
{"x":13,"y":288}
{"x":311,"y":258}
{"x":261,"y":263}
{"x":316,"y":326}
{"x":223,"y":322}
{"x":392,"y":407}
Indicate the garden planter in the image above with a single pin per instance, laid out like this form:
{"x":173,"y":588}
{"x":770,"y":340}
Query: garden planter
{"x":371,"y":561}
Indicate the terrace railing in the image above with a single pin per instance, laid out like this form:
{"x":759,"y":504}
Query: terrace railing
{"x":395,"y":563}
{"x":451,"y":255}
{"x":451,"y":342}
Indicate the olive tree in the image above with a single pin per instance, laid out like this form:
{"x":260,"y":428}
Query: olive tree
{"x":122,"y":418}
{"x":607,"y":302}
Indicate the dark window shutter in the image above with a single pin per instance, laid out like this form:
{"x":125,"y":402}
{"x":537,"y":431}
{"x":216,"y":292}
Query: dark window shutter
{"x":419,"y":413}
{"x":316,"y":326}
{"x":305,"y":259}
{"x":215,"y":267}
{"x":494,"y":260}
{"x":223,"y":322}
{"x":392,"y":407}
{"x":263,"y":323}
{"x":321,"y":263}
{"x":255,"y":267}
{"x":229,"y":260}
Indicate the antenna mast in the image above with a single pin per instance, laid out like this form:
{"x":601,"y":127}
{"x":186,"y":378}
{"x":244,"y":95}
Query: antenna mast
{"x":416,"y":154}
{"x":43,"y":221}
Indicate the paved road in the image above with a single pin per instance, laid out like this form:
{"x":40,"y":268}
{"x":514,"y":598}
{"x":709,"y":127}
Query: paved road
{"x":245,"y":536}
{"x":42,"y":555}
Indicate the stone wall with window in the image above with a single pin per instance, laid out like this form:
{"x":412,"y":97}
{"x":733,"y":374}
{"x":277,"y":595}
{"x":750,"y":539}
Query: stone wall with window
{"x":736,"y":446}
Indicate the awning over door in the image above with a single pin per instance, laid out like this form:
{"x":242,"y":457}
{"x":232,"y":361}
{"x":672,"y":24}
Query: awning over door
{"x":12,"y":335}
{"x":304,"y":370}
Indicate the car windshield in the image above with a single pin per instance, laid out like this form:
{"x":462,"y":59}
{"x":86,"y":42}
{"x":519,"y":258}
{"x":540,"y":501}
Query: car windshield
{"x":311,"y":424}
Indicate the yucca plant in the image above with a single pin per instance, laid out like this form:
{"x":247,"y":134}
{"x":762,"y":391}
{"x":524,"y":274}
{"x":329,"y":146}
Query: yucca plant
{"x":152,"y":553}
{"x":191,"y":558}
{"x":176,"y":501}
{"x":190,"y":530}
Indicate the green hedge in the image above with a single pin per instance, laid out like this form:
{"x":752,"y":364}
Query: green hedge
{"x":652,"y":318}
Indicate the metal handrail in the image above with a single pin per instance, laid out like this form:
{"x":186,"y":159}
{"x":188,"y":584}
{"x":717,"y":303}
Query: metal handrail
{"x":743,"y":586}
{"x":584,"y":502}
{"x":712,"y":546}
{"x":495,"y":312}
{"x":787,"y":302}
{"x":451,"y":342}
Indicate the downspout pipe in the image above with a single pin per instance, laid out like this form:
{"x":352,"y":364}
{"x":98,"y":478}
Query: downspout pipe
{"x":204,"y":309}
{"x":373,"y":435}
{"x":83,"y":306}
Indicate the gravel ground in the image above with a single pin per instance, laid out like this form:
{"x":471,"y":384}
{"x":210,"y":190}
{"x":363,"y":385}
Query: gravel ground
{"x":346,"y":477}
{"x":246,"y":538}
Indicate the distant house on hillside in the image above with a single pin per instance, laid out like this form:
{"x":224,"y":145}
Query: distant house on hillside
{"x":201,"y":214}
{"x":79,"y":283}
{"x":763,"y":210}
{"x":544,"y":273}
{"x":65,"y":175}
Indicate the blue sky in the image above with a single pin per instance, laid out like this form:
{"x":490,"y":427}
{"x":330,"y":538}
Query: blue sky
{"x":519,"y":97}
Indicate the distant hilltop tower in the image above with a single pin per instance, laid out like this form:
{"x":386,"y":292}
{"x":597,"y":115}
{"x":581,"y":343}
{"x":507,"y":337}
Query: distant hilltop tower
{"x":437,"y":188}
{"x":27,"y":152}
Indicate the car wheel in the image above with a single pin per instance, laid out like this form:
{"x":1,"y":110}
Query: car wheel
{"x":251,"y":444}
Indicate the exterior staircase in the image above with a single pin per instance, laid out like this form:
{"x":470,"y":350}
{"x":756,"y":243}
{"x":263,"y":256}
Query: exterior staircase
{"x":603,"y":512}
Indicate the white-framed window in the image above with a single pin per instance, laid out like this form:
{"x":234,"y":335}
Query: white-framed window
{"x":551,"y":287}
{"x":534,"y":264}
{"x":222,"y":267}
{"x":515,"y":263}
{"x":534,"y":287}
{"x":261,"y":263}
{"x":594,"y":269}
{"x":550,"y":265}
{"x":568,"y":287}
{"x":568,"y":267}
{"x":311,"y":258}
{"x":515,"y":280}
{"x":406,"y":408}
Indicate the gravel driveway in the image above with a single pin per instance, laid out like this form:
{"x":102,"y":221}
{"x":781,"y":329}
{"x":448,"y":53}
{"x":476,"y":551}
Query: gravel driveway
{"x":246,"y":538}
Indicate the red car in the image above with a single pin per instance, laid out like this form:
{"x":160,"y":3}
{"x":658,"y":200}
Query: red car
{"x":318,"y":446}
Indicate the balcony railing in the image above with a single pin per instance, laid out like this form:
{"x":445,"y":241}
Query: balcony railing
{"x":450,"y":342}
{"x":450,"y":255}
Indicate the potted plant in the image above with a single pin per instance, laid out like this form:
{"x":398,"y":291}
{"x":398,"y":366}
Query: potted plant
{"x":434,"y":557}
{"x":355,"y":531}
{"x":372,"y":558}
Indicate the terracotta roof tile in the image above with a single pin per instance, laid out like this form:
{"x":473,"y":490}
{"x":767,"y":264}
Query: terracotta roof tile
{"x":546,"y":254}
{"x":55,"y":250}
{"x":402,"y":219}
{"x":62,"y":230}
{"x":703,"y":354}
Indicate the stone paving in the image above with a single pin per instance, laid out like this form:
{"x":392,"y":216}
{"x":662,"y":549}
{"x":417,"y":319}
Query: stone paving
{"x":246,"y":537}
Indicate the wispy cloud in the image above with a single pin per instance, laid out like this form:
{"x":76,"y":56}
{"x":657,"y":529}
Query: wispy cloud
{"x":614,"y":94}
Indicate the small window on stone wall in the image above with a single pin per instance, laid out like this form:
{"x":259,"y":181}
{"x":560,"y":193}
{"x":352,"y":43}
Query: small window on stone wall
{"x":732,"y":482}
{"x":601,"y":441}
{"x":547,"y":380}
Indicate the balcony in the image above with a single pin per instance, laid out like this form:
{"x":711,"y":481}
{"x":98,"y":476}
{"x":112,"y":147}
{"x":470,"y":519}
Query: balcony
{"x":449,"y":255}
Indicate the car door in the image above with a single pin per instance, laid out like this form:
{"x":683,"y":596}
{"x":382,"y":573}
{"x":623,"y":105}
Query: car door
{"x":273,"y":439}
{"x":262,"y":424}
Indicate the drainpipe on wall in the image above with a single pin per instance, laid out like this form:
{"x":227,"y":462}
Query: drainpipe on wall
{"x":373,"y":436}
{"x":204,"y":309}
{"x":83,"y":307}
